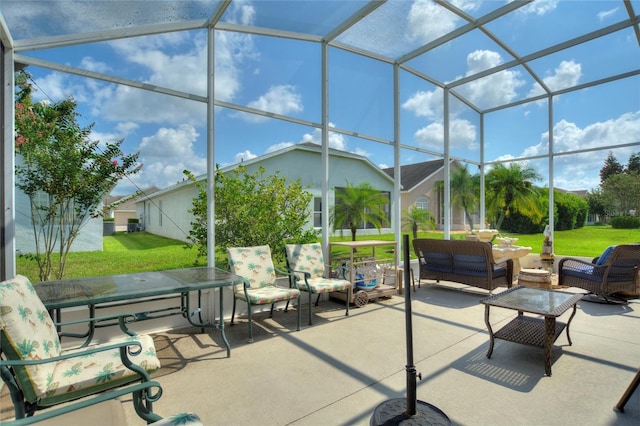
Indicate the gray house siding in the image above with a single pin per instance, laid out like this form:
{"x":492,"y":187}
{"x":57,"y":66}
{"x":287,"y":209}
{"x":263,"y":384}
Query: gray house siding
{"x":296,"y":162}
{"x":89,"y":238}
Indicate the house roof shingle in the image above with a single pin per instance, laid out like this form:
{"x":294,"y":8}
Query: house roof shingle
{"x":413,"y":174}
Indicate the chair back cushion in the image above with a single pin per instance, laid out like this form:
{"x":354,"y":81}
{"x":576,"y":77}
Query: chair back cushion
{"x":253,"y":264}
{"x":28,"y":332}
{"x":305,"y":258}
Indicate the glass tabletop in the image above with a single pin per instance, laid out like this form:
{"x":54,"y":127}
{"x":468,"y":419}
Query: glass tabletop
{"x":534,"y":300}
{"x":110,"y":288}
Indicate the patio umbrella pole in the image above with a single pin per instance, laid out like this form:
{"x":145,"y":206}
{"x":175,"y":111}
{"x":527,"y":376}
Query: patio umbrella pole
{"x":398,"y":411}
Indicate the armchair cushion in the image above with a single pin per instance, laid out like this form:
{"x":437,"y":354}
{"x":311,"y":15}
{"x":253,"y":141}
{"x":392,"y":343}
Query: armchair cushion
{"x":305,"y":258}
{"x":28,"y":333}
{"x":602,"y":259}
{"x":255,"y":265}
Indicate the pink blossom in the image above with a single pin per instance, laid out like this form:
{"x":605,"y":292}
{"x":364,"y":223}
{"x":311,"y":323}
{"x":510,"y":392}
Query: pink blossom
{"x":114,"y":163}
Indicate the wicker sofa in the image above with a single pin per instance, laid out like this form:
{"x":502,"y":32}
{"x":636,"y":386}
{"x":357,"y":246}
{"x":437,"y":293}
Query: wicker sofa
{"x":466,"y":262}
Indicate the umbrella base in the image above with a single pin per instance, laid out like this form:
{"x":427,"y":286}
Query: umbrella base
{"x":393,"y":412}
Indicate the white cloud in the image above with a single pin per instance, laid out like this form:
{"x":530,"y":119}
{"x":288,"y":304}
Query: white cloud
{"x":577,"y":171}
{"x":91,"y":64}
{"x":425,"y":104}
{"x":539,"y":7}
{"x":281,"y":99}
{"x":462,"y":135}
{"x":245,"y":155}
{"x":165,"y":155}
{"x":567,"y":74}
{"x":336,"y":140}
{"x":495,"y":89}
{"x":606,"y":14}
{"x":440,"y":21}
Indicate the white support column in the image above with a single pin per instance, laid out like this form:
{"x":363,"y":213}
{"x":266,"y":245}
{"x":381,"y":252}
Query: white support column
{"x":447,"y":167}
{"x":324,"y":157}
{"x":550,"y":152}
{"x":211,"y":164}
{"x":483,"y":207}
{"x":396,"y":202}
{"x":7,"y":156}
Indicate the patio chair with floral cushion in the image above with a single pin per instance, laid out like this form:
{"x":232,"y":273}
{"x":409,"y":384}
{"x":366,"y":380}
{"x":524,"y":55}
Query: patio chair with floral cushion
{"x":616,"y":270}
{"x":307,"y":262}
{"x":39,"y":373}
{"x":261,"y":287}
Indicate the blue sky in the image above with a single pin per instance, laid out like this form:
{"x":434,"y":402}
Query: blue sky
{"x":284,"y":77}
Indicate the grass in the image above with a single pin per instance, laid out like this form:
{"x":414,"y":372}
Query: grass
{"x":123,"y":253}
{"x":142,"y":252}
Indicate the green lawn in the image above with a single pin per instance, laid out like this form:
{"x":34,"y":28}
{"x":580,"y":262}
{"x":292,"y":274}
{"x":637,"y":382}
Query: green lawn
{"x":141,"y":252}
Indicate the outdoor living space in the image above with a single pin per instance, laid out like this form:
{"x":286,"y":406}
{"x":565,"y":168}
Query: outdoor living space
{"x":339,"y":370}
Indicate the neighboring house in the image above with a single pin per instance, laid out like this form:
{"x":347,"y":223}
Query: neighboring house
{"x":127,"y":210}
{"x":88,"y":239}
{"x":166,"y":212}
{"x":422,"y":185}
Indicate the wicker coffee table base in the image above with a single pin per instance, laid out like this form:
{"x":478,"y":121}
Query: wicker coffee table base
{"x":530,"y":331}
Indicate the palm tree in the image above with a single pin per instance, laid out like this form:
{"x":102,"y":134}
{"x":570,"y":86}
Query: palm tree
{"x":357,"y":205}
{"x":511,"y":189}
{"x":465,"y":190}
{"x":415,"y":218}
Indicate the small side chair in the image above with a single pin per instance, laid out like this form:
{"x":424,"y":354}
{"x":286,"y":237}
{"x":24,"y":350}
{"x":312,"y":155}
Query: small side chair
{"x":307,"y":263}
{"x":255,"y":265}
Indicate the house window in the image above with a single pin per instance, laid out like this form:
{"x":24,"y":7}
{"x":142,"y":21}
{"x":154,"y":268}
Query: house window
{"x":160,"y":213}
{"x":423,"y":203}
{"x":317,"y":212}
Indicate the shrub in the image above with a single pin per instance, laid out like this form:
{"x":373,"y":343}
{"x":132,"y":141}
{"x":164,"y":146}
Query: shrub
{"x":625,"y":222}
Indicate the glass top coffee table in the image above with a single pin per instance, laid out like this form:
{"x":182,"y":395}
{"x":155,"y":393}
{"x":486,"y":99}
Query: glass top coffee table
{"x":530,"y":330}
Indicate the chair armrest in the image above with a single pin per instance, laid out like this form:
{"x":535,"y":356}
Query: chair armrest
{"x":87,"y":402}
{"x":123,"y":346}
{"x":573,"y":262}
{"x":292,"y":277}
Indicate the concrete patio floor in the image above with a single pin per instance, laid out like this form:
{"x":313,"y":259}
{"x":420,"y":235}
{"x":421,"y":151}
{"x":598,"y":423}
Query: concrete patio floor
{"x":337,"y":371}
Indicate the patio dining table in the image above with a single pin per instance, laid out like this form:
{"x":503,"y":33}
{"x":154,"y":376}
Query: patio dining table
{"x":130,"y":289}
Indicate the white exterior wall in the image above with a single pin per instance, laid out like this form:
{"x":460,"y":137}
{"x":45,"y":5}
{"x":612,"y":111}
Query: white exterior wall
{"x":89,"y":238}
{"x":166,"y":213}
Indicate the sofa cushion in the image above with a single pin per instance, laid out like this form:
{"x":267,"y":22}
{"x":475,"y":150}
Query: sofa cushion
{"x":437,"y":261}
{"x":472,"y":265}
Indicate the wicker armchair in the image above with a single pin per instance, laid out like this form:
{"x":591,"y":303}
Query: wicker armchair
{"x":617,"y":272}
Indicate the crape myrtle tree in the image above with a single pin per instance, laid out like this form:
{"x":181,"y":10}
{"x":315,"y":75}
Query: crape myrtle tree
{"x":250,"y":210}
{"x":63,"y":172}
{"x":357,"y":205}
